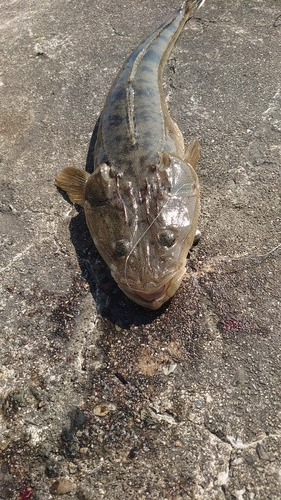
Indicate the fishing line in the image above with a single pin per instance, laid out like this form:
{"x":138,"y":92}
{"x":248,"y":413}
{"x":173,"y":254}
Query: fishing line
{"x":147,"y":229}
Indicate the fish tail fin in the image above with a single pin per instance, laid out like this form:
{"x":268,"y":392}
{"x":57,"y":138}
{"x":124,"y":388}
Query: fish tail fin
{"x":190,"y":6}
{"x":72,"y":180}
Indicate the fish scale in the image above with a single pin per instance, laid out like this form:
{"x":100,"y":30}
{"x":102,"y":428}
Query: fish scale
{"x":142,"y":201}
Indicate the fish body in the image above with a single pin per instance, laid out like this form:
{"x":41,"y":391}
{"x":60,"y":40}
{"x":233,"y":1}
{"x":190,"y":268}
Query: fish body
{"x":142,"y":200}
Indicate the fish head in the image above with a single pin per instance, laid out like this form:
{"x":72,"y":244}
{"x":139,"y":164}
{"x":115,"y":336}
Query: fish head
{"x":144,"y":227}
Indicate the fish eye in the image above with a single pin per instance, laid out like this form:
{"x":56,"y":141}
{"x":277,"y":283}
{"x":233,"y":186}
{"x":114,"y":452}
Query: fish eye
{"x":122,"y":247}
{"x":167,"y":238}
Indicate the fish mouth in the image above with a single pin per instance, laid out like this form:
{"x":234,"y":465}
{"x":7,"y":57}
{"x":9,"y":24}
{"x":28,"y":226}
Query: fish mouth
{"x":150,"y":297}
{"x":154,"y":299}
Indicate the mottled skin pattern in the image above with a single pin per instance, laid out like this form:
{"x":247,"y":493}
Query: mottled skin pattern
{"x":142,"y":200}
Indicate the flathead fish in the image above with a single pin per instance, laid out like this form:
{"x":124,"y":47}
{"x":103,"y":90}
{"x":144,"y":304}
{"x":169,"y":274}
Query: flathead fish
{"x":142,"y":200}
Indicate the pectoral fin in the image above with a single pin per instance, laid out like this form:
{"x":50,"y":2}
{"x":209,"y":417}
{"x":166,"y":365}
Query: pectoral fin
{"x":192,"y":153}
{"x":73,"y":180}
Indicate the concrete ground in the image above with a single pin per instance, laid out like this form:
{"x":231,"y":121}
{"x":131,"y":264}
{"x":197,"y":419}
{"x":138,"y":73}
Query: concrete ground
{"x":99,"y":397}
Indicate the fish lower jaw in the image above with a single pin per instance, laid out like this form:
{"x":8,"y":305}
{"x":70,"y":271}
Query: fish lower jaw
{"x":154,"y":300}
{"x":152,"y":297}
{"x":145,"y":300}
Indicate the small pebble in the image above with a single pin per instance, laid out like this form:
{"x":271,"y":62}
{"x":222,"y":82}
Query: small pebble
{"x":198,"y":404}
{"x":191,"y":417}
{"x":169,"y":368}
{"x":62,"y":486}
{"x":72,"y":468}
{"x":26,"y":437}
{"x":103,"y":409}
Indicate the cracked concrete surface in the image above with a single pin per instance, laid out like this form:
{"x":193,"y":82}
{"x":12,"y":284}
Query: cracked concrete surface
{"x":100,"y":398}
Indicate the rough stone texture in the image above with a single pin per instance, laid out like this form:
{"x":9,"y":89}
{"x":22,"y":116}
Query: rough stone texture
{"x":97,"y":395}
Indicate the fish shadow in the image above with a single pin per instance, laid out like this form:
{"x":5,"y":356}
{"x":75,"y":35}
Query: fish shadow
{"x":110,"y":301}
